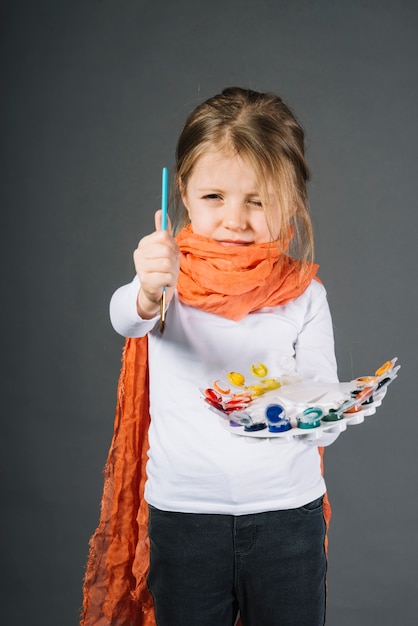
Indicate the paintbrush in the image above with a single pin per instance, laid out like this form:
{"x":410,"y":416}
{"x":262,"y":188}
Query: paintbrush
{"x":164,"y":208}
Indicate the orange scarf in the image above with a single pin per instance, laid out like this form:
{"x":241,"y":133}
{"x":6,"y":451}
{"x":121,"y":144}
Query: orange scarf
{"x":232,"y":282}
{"x":227,"y":281}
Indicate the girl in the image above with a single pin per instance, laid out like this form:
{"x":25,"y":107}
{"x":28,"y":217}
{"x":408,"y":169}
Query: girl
{"x":234,"y":529}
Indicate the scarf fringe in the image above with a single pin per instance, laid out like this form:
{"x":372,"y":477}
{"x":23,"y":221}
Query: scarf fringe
{"x":115,"y":590}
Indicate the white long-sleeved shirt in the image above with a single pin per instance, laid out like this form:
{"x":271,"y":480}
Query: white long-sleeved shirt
{"x":195,"y":465}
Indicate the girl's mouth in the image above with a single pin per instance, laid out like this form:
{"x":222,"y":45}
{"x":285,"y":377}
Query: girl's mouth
{"x":235,"y":243}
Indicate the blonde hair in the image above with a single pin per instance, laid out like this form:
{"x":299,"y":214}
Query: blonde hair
{"x":262,"y":130}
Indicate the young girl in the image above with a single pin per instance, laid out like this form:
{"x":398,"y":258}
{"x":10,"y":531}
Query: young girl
{"x":217,"y":526}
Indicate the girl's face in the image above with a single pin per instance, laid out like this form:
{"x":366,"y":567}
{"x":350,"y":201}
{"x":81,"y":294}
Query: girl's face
{"x":223,"y":201}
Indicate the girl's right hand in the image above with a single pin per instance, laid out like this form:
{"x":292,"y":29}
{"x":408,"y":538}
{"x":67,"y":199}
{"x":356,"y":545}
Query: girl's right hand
{"x":157,"y":263}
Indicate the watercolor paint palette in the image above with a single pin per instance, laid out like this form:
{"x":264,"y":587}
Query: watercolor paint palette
{"x":257,"y":405}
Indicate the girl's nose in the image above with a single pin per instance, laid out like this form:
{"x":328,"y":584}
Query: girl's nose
{"x":235,"y":217}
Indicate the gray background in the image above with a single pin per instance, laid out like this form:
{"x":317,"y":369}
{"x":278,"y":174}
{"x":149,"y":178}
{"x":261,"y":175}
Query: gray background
{"x":93,"y":96}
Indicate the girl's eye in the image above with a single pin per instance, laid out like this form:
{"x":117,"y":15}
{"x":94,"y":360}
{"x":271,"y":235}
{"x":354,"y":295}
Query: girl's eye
{"x":212,"y":196}
{"x":257,"y":203}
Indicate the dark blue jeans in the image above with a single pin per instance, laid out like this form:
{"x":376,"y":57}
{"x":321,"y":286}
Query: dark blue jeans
{"x":271,"y":567}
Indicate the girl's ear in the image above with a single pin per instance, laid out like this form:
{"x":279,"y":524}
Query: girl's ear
{"x":183,"y":194}
{"x":181,"y":188}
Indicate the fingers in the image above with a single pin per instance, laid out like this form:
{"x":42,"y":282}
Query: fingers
{"x":158,"y":221}
{"x":157,"y":262}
